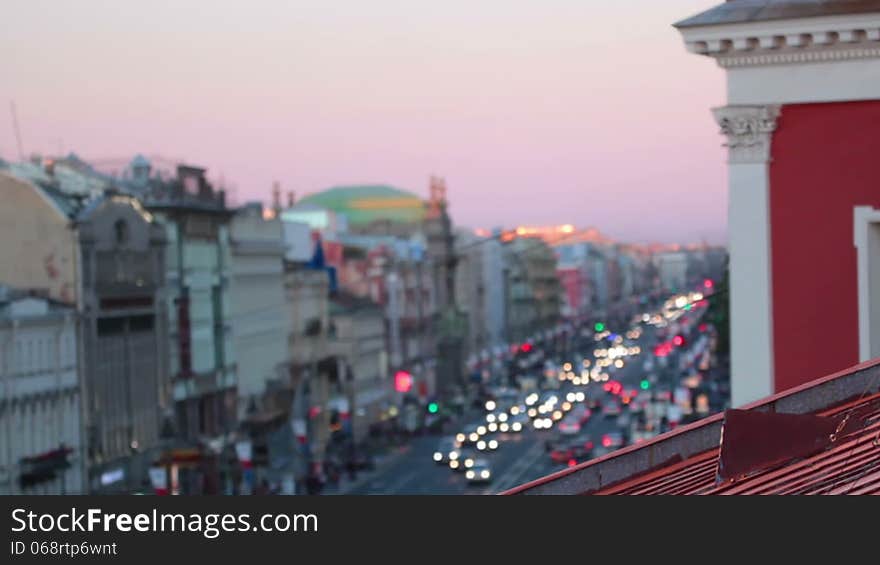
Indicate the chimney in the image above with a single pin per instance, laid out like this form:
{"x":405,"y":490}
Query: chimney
{"x":291,"y":198}
{"x":276,"y":196}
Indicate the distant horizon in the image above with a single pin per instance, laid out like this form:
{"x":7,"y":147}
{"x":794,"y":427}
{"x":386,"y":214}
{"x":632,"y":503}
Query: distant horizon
{"x":535,"y":113}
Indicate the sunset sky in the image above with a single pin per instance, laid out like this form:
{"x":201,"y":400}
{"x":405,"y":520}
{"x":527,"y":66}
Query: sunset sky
{"x":535,"y":112}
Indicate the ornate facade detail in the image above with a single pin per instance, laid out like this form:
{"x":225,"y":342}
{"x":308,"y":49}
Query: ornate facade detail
{"x":749,"y":130}
{"x":790,"y":57}
{"x":763,"y":44}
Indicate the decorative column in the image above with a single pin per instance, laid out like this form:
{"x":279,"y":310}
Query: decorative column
{"x":749,"y":131}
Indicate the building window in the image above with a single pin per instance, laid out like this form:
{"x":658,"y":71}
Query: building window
{"x":110,"y":326}
{"x":867,"y":242}
{"x":120,"y":229}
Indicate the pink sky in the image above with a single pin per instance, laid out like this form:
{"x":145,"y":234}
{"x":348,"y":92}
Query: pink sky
{"x":535,"y":112}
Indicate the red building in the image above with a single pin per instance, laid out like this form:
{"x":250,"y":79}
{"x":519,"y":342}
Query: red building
{"x":574,"y":287}
{"x":803,"y":109}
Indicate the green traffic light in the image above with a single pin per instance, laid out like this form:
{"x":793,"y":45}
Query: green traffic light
{"x":433,"y":408}
{"x":645,"y":385}
{"x":599,"y":326}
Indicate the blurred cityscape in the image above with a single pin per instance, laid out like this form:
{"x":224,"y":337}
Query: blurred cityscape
{"x":158,"y":336}
{"x":157,"y":339}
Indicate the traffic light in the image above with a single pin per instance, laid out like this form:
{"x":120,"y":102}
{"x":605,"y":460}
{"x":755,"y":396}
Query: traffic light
{"x":433,"y":407}
{"x":599,"y":327}
{"x":645,"y":384}
{"x":402,"y":381}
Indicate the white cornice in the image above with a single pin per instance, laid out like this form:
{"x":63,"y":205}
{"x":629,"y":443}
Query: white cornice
{"x":802,"y":40}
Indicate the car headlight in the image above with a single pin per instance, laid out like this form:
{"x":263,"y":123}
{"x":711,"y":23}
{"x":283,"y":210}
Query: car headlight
{"x":493,"y":444}
{"x":438,"y":456}
{"x":504,"y":427}
{"x":468,"y":463}
{"x":485,"y":473}
{"x":490,"y":418}
{"x":517,"y":427}
{"x":460,"y":438}
{"x":502,"y":417}
{"x":474,"y":436}
{"x":453,"y":464}
{"x":481,"y":445}
{"x":453,"y":455}
{"x":470,"y":474}
{"x":481,"y":430}
{"x":493,"y":427}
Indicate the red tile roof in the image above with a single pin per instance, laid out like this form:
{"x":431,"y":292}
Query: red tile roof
{"x":850,"y":465}
{"x":686,"y":461}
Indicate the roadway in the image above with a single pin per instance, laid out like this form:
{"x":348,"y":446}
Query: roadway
{"x":519,"y":458}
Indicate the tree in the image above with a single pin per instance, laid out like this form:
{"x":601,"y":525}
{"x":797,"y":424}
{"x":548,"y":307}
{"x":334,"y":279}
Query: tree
{"x":719,"y":312}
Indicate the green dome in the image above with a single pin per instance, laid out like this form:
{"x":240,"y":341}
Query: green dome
{"x":365,"y":204}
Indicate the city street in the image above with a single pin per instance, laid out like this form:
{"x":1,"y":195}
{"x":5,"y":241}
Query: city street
{"x":520,"y":457}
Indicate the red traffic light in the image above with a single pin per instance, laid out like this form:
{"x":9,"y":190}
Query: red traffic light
{"x":526,"y":347}
{"x":403,"y":381}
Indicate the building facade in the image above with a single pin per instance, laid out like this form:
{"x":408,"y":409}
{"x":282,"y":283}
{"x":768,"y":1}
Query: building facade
{"x":198,"y":261}
{"x":533,"y":290}
{"x":803,"y":97}
{"x":103,"y":254}
{"x":357,"y":339}
{"x":41,"y":425}
{"x":258,"y":304}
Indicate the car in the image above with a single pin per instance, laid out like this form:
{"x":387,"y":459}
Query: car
{"x":581,"y":448}
{"x":464,"y":459}
{"x":487,"y":444}
{"x":561,"y":454}
{"x":444,"y":448}
{"x":613,"y":440}
{"x":519,"y":422}
{"x":611,"y":409}
{"x":581,"y":412}
{"x":637,"y":407}
{"x":471,"y":433}
{"x":480,"y":472}
{"x":569,"y":426}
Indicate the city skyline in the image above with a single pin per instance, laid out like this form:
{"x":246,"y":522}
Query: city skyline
{"x":503,"y":100}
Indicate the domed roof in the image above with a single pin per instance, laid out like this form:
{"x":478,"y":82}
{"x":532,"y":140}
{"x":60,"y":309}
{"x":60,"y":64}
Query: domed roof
{"x":364,"y":204}
{"x":140,"y":161}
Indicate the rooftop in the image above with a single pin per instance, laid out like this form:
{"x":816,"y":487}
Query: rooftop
{"x":747,"y":11}
{"x":819,"y":438}
{"x":365,"y":204}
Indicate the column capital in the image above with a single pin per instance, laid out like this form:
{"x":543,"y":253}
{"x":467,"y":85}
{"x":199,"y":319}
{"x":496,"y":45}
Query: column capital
{"x":748,"y":130}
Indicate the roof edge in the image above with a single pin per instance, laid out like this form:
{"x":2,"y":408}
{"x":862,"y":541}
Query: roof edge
{"x":702,"y":435}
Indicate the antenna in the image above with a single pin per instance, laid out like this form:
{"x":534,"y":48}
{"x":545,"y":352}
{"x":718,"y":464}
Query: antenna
{"x":16,"y":130}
